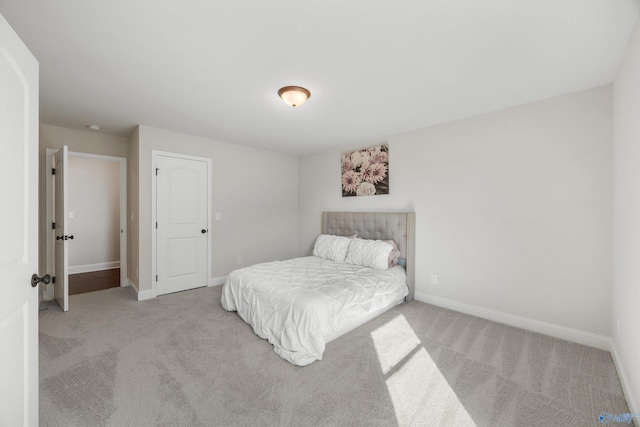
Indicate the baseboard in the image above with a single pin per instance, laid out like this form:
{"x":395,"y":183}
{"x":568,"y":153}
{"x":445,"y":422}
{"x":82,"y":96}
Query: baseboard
{"x":93,"y":267}
{"x":146,"y":294}
{"x":141,"y":295}
{"x":150,"y":294}
{"x":581,"y":337}
{"x":132,"y":287}
{"x":216,"y":281}
{"x":632,"y":402}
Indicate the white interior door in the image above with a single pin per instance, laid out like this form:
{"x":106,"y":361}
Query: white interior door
{"x":182,"y":224}
{"x":19,"y":231}
{"x":61,"y":285}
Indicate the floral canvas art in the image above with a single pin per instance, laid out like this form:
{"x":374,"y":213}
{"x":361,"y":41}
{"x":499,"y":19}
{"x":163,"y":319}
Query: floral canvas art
{"x":366,"y":172}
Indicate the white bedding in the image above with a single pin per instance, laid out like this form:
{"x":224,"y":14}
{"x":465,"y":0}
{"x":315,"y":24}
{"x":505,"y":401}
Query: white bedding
{"x":296,"y":303}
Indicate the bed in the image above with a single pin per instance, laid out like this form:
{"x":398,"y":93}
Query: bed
{"x":302,"y":304}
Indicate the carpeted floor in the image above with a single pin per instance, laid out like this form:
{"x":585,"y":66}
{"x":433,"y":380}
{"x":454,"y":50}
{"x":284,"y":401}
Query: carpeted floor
{"x":181,"y":360}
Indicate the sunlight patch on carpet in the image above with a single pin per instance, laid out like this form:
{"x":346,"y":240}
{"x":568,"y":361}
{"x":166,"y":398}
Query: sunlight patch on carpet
{"x":393,"y":342}
{"x":416,"y":379}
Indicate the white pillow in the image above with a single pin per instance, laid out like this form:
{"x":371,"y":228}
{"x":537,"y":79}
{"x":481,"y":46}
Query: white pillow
{"x":331,"y":247}
{"x":369,"y":253}
{"x":394,"y":255}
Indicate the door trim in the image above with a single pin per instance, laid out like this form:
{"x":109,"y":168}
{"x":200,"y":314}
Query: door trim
{"x":154,"y":244}
{"x":49,"y":242}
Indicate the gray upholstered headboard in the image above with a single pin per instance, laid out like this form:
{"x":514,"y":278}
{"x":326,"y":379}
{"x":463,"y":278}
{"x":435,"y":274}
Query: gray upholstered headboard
{"x":397,"y":226}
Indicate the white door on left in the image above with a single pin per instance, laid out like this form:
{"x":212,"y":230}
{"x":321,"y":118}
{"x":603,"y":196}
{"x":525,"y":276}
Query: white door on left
{"x":19,"y":231}
{"x":61,"y":286}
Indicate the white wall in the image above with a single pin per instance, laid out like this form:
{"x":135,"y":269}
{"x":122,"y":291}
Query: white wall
{"x":94,"y":199}
{"x":133,"y":206}
{"x":255,"y":191}
{"x":626,"y":221}
{"x":513,"y":208}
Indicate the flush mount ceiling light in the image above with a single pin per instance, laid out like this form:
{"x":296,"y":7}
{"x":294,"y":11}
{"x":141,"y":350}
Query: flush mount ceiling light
{"x":93,"y":127}
{"x":294,"y":95}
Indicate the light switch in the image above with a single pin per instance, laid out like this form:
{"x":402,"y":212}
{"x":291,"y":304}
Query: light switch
{"x":72,"y":214}
{"x":218,"y":216}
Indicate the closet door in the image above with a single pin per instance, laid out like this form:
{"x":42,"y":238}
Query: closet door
{"x":182,"y":224}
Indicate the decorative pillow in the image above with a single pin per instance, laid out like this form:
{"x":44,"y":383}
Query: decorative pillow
{"x":369,"y":253}
{"x":394,"y":254}
{"x":331,"y":247}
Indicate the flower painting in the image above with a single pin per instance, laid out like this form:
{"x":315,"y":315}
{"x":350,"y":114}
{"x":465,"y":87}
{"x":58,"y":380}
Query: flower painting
{"x":366,"y":172}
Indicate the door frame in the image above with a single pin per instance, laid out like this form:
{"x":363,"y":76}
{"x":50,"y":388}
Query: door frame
{"x":154,"y":213}
{"x":49,"y":240}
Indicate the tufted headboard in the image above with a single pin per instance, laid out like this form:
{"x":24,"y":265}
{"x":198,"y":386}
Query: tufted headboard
{"x":397,"y":226}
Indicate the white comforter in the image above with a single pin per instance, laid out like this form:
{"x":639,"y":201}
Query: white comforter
{"x":296,"y":303}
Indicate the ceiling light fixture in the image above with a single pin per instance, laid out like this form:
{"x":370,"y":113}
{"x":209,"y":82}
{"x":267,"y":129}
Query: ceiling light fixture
{"x":294,"y":95}
{"x":93,"y":127}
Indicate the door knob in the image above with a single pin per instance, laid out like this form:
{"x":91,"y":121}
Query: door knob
{"x":46,"y":279}
{"x":71,"y":237}
{"x":203,"y":231}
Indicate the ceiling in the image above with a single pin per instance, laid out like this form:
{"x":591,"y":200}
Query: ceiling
{"x":374,"y":67}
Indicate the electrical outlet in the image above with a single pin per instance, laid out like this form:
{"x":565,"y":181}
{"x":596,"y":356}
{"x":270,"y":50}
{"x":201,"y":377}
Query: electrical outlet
{"x":218,"y":216}
{"x":239,"y":261}
{"x":72,"y":214}
{"x":434,"y":279}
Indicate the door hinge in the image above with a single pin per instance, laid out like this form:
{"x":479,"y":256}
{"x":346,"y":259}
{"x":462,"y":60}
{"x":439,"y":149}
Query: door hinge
{"x":156,"y":224}
{"x":53,"y":279}
{"x":53,"y":171}
{"x":156,"y":277}
{"x":53,"y":225}
{"x":157,"y":169}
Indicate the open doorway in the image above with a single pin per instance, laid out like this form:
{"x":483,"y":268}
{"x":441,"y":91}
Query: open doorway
{"x":96,"y":219}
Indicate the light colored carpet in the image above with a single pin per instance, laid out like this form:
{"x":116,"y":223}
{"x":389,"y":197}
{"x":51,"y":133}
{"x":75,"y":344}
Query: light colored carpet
{"x":181,"y":360}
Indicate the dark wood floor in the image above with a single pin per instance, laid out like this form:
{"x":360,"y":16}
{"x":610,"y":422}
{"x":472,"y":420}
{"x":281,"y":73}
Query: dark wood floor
{"x":94,"y":281}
